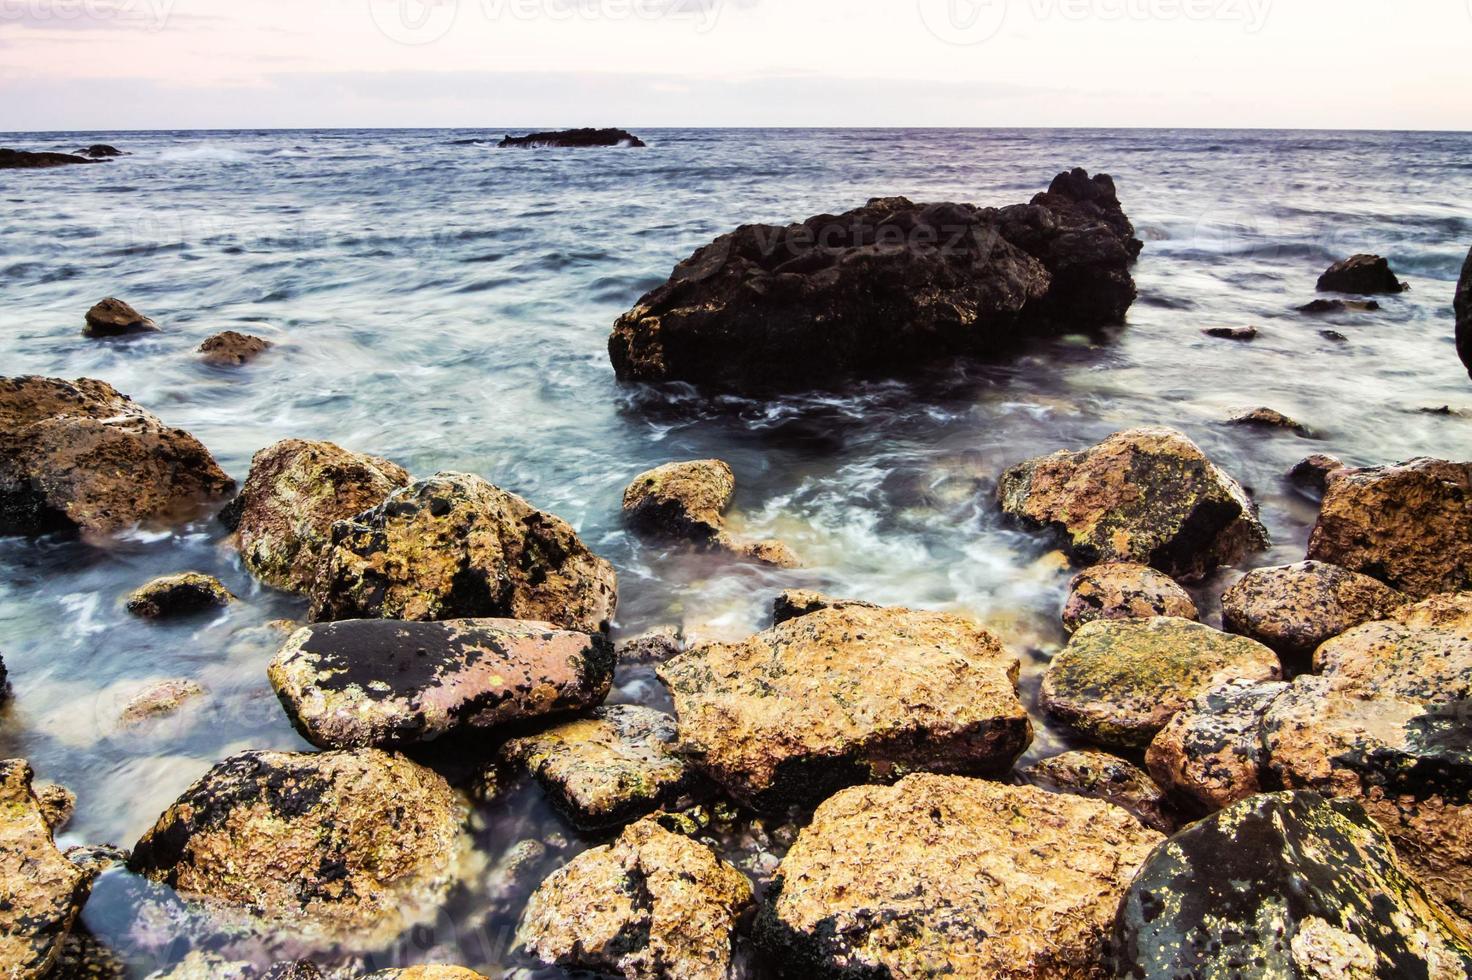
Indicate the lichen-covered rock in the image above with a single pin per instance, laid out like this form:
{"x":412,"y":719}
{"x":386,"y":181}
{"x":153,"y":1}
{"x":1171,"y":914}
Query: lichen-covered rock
{"x":1294,"y":608}
{"x":160,"y":700}
{"x":1149,"y":496}
{"x":847,"y":695}
{"x":882,"y":289}
{"x":1462,"y":306}
{"x":1285,"y":885}
{"x":178,"y":595}
{"x":1210,"y":753}
{"x":387,"y":684}
{"x":1124,"y":590}
{"x":1422,"y":652}
{"x":1409,"y":525}
{"x":295,"y":492}
{"x":652,"y":906}
{"x":114,"y":318}
{"x":947,"y":876}
{"x":1119,"y":681}
{"x":1101,"y":776}
{"x":41,"y":892}
{"x":426,"y":973}
{"x":616,"y":765}
{"x":1366,"y":275}
{"x":232,"y":349}
{"x":686,"y":501}
{"x":793,"y":603}
{"x":57,"y":804}
{"x":77,"y":454}
{"x":344,"y":842}
{"x":1270,"y":418}
{"x":456,"y":547}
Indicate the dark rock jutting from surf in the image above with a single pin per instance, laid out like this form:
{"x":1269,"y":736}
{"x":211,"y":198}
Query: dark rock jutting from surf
{"x":1363,"y":275}
{"x":575,"y":138}
{"x":26,"y":160}
{"x":1463,"y":306}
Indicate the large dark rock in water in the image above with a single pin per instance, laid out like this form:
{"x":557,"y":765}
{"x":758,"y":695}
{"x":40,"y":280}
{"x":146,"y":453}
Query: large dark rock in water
{"x":1287,"y":885}
{"x":576,"y":138}
{"x":78,"y":454}
{"x":888,"y":286}
{"x":1463,"y":305}
{"x":1365,"y":275}
{"x":113,"y":318}
{"x":99,"y":151}
{"x":25,"y":160}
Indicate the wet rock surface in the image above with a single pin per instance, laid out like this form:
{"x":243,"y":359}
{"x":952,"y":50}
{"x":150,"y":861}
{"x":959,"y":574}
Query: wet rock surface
{"x":1294,"y":608}
{"x":799,"y":602}
{"x":1366,"y":275}
{"x":426,"y":973}
{"x":847,"y":695}
{"x":1149,"y":496}
{"x":1101,"y":776}
{"x":232,"y":349}
{"x":57,"y":804}
{"x":1283,"y":885}
{"x":355,"y":842}
{"x":686,"y":502}
{"x":1409,"y":525}
{"x":652,"y":647}
{"x":654,"y":905}
{"x":41,"y":892}
{"x":1124,"y":590}
{"x":80,"y":455}
{"x":178,"y":595}
{"x":881,"y":289}
{"x":1463,"y":309}
{"x":1232,"y":333}
{"x":616,"y":765}
{"x":383,"y":683}
{"x":1320,"y":307}
{"x":947,"y":875}
{"x":575,"y":138}
{"x":1271,"y":418}
{"x":160,"y":700}
{"x":1422,"y":652}
{"x":456,"y":547}
{"x":1119,"y":682}
{"x":98,"y":151}
{"x":1312,"y":472}
{"x":295,"y":492}
{"x":27,"y":160}
{"x":113,"y":318}
{"x":1210,"y":753}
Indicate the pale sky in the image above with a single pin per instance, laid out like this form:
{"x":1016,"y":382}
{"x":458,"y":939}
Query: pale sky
{"x":503,"y":64}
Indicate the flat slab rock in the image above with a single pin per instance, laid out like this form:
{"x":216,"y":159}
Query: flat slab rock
{"x":942,"y":875}
{"x":847,"y":695}
{"x":1293,"y":884}
{"x":388,"y":684}
{"x":616,"y":765}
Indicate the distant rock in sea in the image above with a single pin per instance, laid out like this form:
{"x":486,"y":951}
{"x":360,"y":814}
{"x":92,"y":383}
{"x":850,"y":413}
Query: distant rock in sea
{"x":1321,"y":306}
{"x":1361,"y":274}
{"x":25,"y":160}
{"x":100,"y":151}
{"x":1464,"y":314}
{"x":576,"y":138}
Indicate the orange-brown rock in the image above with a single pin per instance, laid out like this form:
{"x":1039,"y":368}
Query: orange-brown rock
{"x":232,"y":349}
{"x":1210,"y":753}
{"x":1422,"y":652}
{"x":1124,"y":590}
{"x":1294,"y":608}
{"x":1101,"y":776}
{"x":686,"y":502}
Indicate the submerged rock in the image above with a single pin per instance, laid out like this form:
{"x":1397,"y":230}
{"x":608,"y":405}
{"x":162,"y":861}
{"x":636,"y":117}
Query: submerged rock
{"x":1101,"y":776}
{"x":162,"y":699}
{"x":1463,"y":309}
{"x":26,"y":160}
{"x":387,"y":684}
{"x":578,"y":138}
{"x":617,"y":765}
{"x":1210,"y":753}
{"x":1410,"y":525}
{"x":946,"y":876}
{"x":114,"y":318}
{"x":1294,"y":608}
{"x":652,"y":906}
{"x":1118,"y":682}
{"x":1366,"y":275}
{"x":1231,"y":333}
{"x":98,"y":151}
{"x":352,"y":841}
{"x":686,"y":501}
{"x":232,"y":349}
{"x":295,"y":492}
{"x":793,"y":603}
{"x":1321,"y":306}
{"x":77,"y":454}
{"x":884,"y":288}
{"x":1145,"y":495}
{"x":456,"y":547}
{"x":847,"y":695}
{"x":1285,"y":885}
{"x":178,"y":595}
{"x":1269,"y":418}
{"x":41,"y":892}
{"x":1124,"y":590}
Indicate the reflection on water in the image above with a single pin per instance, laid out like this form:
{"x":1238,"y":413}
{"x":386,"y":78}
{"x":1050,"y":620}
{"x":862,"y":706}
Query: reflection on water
{"x":447,"y":306}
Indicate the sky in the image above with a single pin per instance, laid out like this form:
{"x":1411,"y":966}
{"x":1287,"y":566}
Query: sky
{"x":109,"y":65}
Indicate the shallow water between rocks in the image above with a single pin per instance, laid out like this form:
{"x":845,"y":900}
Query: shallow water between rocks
{"x":447,"y":306}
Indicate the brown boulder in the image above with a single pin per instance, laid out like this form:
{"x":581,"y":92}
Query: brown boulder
{"x":1294,"y":608}
{"x":1366,"y":275}
{"x":1422,"y":652}
{"x":793,"y":603}
{"x":77,"y":454}
{"x":232,"y":349}
{"x":686,"y":501}
{"x":114,"y":318}
{"x":178,"y":595}
{"x":1101,"y":776}
{"x":1210,"y":753}
{"x":1124,"y":590}
{"x":1270,"y":418}
{"x":1312,"y":472}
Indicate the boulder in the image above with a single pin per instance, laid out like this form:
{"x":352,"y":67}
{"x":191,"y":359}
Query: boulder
{"x":612,"y":767}
{"x":178,"y":595}
{"x":1283,"y":885}
{"x":1118,"y":682}
{"x":350,"y":842}
{"x":1124,"y":590}
{"x":1210,"y":754}
{"x":1319,"y":307}
{"x":1366,"y":275}
{"x":41,"y":892}
{"x":651,"y":906}
{"x":1334,"y":336}
{"x":847,"y":695}
{"x":882,"y":289}
{"x":1410,"y":525}
{"x":99,"y":151}
{"x":576,"y":138}
{"x":1149,"y":496}
{"x":686,"y":501}
{"x":1270,"y":418}
{"x":1232,"y":333}
{"x":1294,"y":608}
{"x":388,"y":684}
{"x":26,"y":160}
{"x":1312,"y":472}
{"x":456,"y":547}
{"x":295,"y":492}
{"x":793,"y":603}
{"x":161,"y":700}
{"x":1101,"y":776}
{"x":232,"y":349}
{"x":947,"y":876}
{"x":426,"y":973}
{"x":77,"y":454}
{"x":1422,"y":652}
{"x":114,"y":318}
{"x":1463,"y":308}
{"x":57,"y":804}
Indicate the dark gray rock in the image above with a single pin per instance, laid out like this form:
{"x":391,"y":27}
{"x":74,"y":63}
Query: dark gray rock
{"x":1362,"y":274}
{"x":576,"y":138}
{"x":1463,"y":307}
{"x":25,"y":160}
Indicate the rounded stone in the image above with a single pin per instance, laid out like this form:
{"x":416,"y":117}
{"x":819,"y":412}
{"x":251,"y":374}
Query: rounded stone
{"x":1210,"y":752}
{"x":1294,"y":608}
{"x":113,"y":318}
{"x":178,"y":595}
{"x":232,"y":349}
{"x":1124,"y":590}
